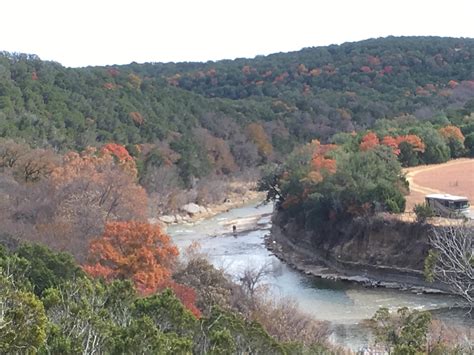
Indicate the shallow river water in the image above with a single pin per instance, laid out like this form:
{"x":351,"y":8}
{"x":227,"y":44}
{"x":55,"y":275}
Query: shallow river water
{"x":344,"y":304}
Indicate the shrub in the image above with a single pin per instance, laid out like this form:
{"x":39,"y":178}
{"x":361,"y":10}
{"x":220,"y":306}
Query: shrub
{"x":423,"y":211}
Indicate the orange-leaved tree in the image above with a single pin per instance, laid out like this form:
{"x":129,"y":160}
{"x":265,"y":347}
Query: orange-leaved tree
{"x":121,"y":156}
{"x":103,"y":180}
{"x":321,"y":164}
{"x":133,"y":250}
{"x":118,"y":151}
{"x":454,"y":139}
{"x":392,"y":143}
{"x":318,"y":165}
{"x":369,"y":142}
{"x":141,"y":252}
{"x":413,"y":140}
{"x":452,"y":132}
{"x":91,"y":188}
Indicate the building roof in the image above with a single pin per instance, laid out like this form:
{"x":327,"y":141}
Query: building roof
{"x":447,"y":197}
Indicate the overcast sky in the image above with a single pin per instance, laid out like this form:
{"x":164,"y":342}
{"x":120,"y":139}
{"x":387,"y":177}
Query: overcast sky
{"x":98,"y":32}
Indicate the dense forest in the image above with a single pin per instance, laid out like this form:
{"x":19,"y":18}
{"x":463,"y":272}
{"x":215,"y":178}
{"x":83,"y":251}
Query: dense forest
{"x":218,"y":117}
{"x":184,"y":121}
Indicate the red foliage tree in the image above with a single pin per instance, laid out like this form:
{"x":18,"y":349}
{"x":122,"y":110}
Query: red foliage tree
{"x":321,"y":164}
{"x":454,"y":139}
{"x":185,"y":294}
{"x":132,"y":250}
{"x":392,"y":143}
{"x":452,"y":84}
{"x":373,"y":60}
{"x":302,"y":69}
{"x":117,"y":150}
{"x":280,"y":78}
{"x":412,"y":139}
{"x":121,"y":156}
{"x":369,"y":141}
{"x":315,"y":72}
{"x":388,"y":69}
{"x":452,"y":132}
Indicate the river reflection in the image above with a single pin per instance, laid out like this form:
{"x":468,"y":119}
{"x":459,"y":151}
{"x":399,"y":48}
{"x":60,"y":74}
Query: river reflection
{"x":344,"y":304}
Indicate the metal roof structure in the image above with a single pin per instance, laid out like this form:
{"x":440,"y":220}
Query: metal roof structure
{"x":447,"y":197}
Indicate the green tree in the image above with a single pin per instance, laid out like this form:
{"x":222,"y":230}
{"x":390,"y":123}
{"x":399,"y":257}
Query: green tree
{"x":143,"y":336}
{"x":436,"y":150}
{"x":407,"y":156}
{"x":469,"y":144}
{"x":423,"y":212}
{"x":404,"y":333}
{"x":193,"y":162}
{"x":167,"y":313}
{"x":224,"y":332}
{"x":23,"y":320}
{"x":365,"y":182}
{"x":47,"y":268}
{"x":79,"y":319}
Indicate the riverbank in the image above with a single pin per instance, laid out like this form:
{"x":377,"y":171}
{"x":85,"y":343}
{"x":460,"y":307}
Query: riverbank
{"x":192,"y":213}
{"x":305,"y":258}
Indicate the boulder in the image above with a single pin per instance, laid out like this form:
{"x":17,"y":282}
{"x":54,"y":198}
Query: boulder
{"x":153,"y":220}
{"x":191,"y":208}
{"x":167,"y":219}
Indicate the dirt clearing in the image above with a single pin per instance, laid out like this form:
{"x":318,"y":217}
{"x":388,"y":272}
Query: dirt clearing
{"x":455,"y":177}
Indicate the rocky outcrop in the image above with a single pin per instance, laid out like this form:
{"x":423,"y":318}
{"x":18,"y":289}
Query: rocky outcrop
{"x":192,"y":209}
{"x":193,"y":212}
{"x":375,"y":251}
{"x":167,"y":219}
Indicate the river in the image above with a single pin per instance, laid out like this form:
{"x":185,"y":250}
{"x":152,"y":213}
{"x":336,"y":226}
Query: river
{"x":345,"y":305}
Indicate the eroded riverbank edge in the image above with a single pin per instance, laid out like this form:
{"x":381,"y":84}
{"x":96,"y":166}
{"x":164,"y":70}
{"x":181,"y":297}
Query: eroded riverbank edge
{"x":307,"y":260}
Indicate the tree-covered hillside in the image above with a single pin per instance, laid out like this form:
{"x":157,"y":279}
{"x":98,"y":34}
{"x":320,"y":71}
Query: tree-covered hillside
{"x":308,"y":94}
{"x":222,"y":117}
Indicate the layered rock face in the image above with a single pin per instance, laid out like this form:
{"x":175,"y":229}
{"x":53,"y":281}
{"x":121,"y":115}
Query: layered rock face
{"x":376,"y":250}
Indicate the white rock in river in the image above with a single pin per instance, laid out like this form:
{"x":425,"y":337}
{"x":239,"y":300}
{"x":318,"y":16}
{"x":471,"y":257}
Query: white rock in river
{"x":167,"y":219}
{"x":191,"y":208}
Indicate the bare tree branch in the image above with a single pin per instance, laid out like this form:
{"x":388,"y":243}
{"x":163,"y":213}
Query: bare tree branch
{"x":451,"y":259}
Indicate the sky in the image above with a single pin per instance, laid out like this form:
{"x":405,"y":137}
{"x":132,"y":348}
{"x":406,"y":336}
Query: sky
{"x":103,"y":32}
